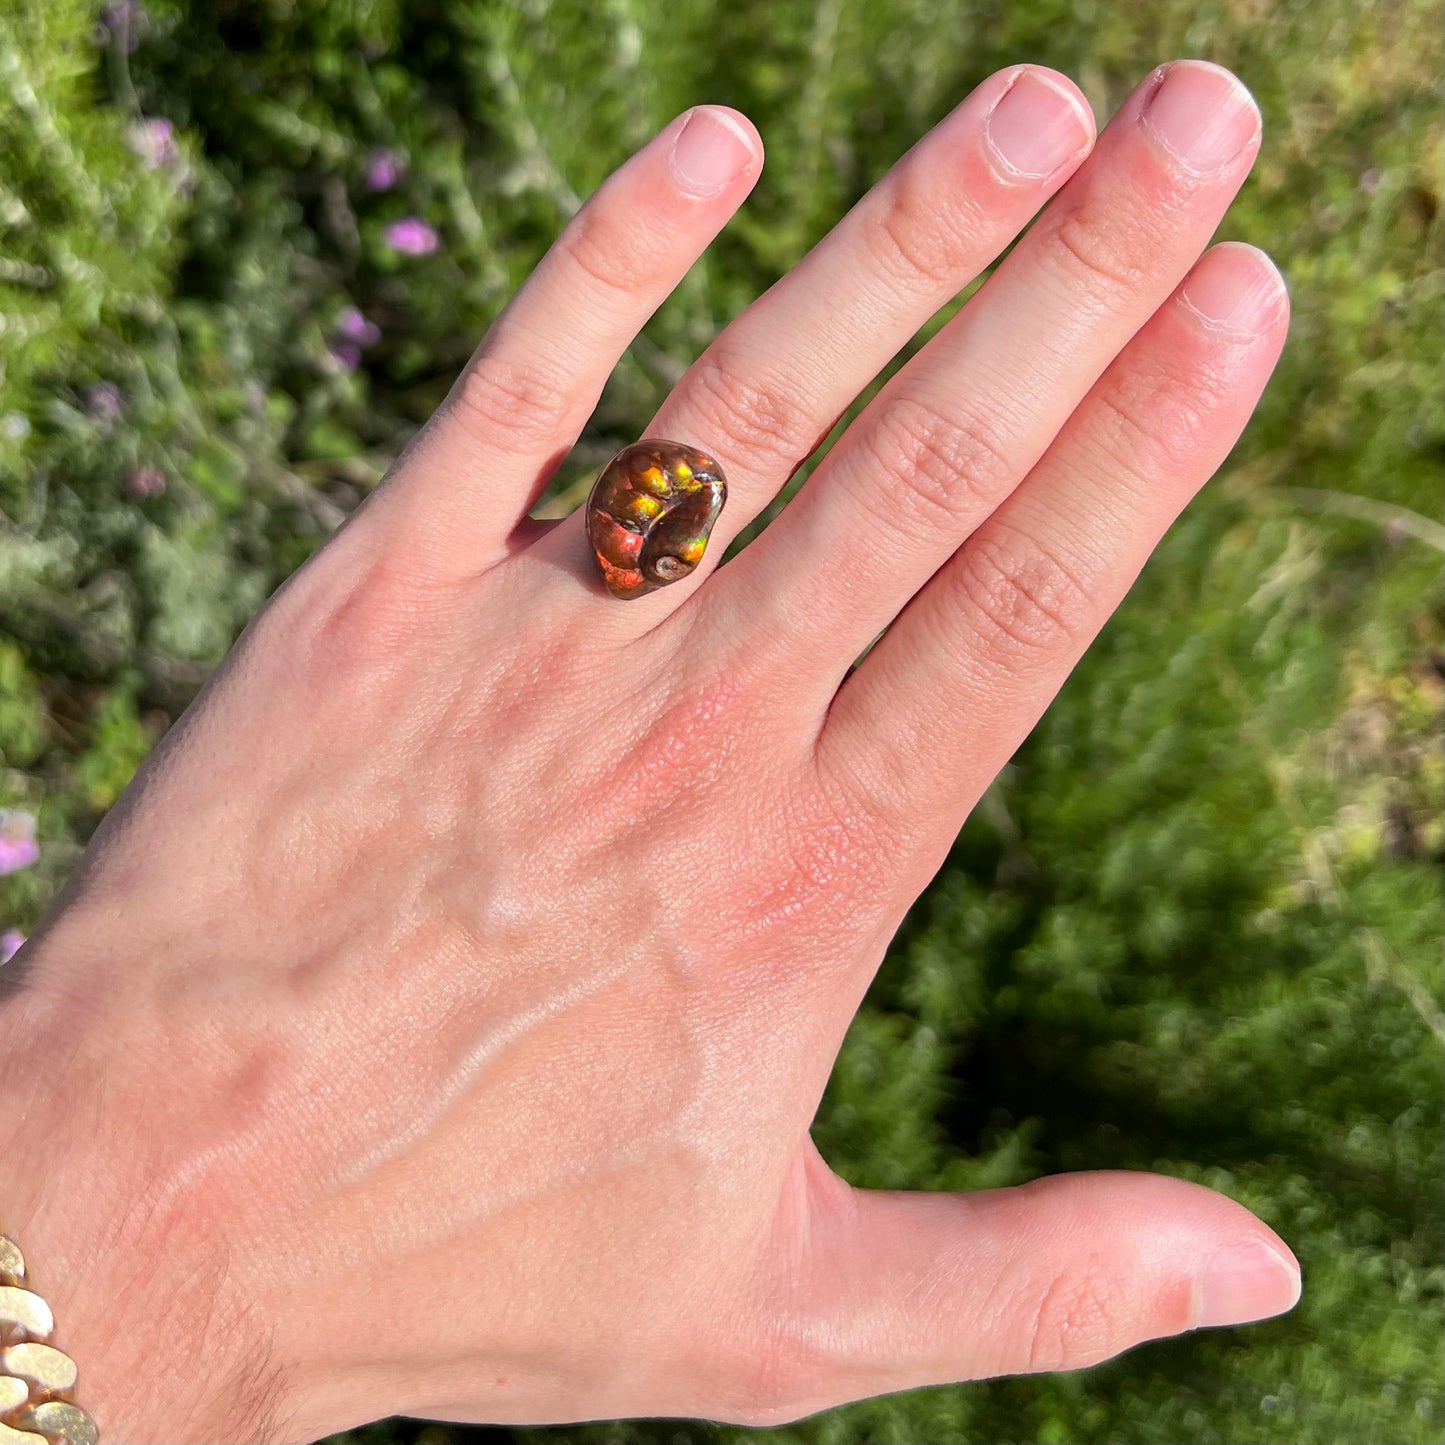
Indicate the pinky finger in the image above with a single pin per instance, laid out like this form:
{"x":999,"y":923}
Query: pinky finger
{"x":975,"y":658}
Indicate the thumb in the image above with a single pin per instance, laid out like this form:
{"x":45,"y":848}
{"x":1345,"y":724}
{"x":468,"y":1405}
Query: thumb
{"x":897,"y":1290}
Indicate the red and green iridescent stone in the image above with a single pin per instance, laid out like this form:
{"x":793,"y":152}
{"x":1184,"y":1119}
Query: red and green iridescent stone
{"x":650,"y":513}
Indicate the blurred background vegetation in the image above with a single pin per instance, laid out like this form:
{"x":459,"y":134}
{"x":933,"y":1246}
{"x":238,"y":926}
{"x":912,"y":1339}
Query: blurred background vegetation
{"x":246,"y":244}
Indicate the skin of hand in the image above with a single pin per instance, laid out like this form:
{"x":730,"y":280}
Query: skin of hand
{"x":436,"y":1025}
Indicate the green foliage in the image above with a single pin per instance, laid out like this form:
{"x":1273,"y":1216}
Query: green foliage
{"x":21,"y":736}
{"x":1195,"y":926}
{"x":118,"y":746}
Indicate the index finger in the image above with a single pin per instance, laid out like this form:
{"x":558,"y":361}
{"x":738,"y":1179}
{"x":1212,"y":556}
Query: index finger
{"x":519,"y":405}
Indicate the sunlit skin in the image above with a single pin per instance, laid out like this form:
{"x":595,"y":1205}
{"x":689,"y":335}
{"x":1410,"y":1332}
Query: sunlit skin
{"x":436,"y":1025}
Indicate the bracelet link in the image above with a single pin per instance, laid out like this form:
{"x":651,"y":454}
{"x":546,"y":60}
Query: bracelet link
{"x":35,"y":1378}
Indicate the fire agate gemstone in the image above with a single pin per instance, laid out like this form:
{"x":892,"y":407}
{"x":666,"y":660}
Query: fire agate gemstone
{"x":650,"y":514}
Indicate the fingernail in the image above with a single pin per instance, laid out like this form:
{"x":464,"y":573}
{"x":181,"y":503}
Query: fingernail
{"x":1234,"y":288}
{"x":1244,"y":1282}
{"x":711,"y":151}
{"x":1202,"y":115}
{"x":1036,"y":127}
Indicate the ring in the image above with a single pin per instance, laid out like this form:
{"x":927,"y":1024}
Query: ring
{"x":650,"y":513}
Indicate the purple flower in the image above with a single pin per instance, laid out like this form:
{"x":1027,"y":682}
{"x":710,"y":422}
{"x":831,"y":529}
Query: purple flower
{"x":1371,"y":180}
{"x":154,"y":141}
{"x":353,"y":326}
{"x":145,"y":482}
{"x":10,"y":942}
{"x":104,"y":402}
{"x":18,"y":848}
{"x":383,"y":170}
{"x":411,"y":236}
{"x":354,"y":332}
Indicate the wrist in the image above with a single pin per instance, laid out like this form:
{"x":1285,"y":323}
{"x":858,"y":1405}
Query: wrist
{"x":124,"y":1253}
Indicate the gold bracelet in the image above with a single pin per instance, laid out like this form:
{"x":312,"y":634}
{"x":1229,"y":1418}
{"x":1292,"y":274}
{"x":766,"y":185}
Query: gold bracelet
{"x":35,"y":1378}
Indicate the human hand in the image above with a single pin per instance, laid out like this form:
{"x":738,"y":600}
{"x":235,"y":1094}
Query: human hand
{"x":436,"y":1025}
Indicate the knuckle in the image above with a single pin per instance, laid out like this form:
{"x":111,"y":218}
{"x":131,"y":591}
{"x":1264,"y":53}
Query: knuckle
{"x":521,"y":404}
{"x":363,"y":626}
{"x":939,"y":466}
{"x":829,"y":829}
{"x":617,"y":259}
{"x":1152,"y":424}
{"x":827,"y":839}
{"x":1105,"y":253}
{"x":1076,"y":1322}
{"x":767,"y":425}
{"x":1021,"y":601}
{"x":909,"y":245}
